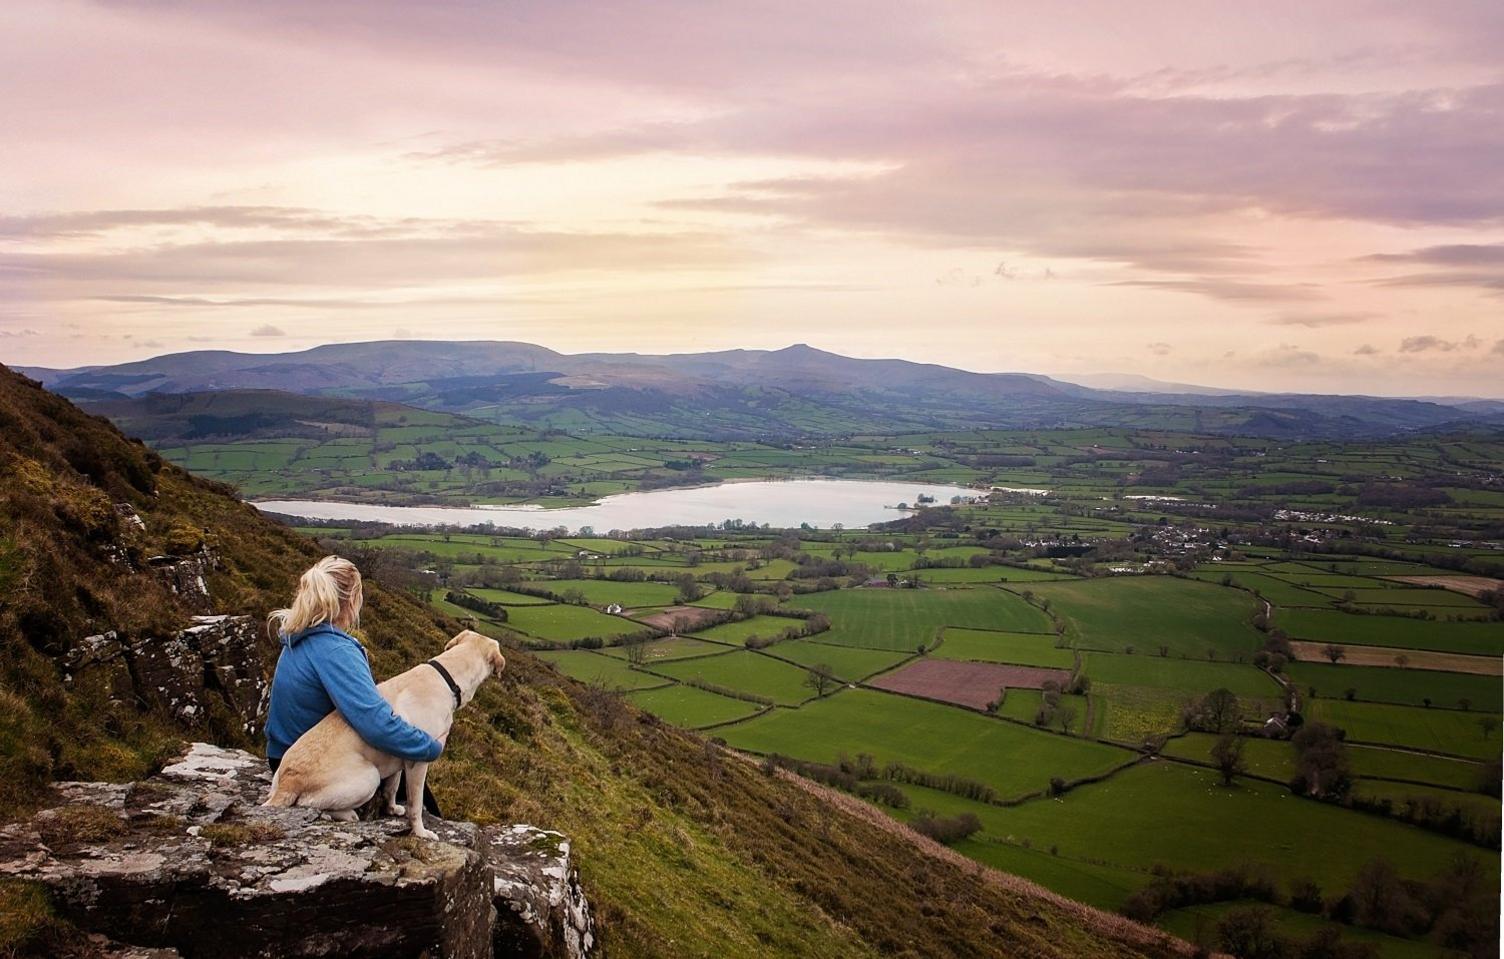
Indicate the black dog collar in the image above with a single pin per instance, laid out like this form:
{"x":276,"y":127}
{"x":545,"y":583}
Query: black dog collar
{"x":454,"y":687}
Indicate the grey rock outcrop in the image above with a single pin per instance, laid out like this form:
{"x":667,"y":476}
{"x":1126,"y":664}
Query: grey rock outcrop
{"x":189,"y":861}
{"x":217,"y":656}
{"x":187,"y":576}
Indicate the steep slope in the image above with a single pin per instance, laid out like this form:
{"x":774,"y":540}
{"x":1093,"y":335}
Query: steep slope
{"x":685,"y":849}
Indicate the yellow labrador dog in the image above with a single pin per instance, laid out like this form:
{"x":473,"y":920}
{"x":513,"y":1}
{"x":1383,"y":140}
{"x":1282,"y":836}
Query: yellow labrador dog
{"x":331,"y":768}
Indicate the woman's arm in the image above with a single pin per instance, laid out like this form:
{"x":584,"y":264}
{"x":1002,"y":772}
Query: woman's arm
{"x":346,"y":676}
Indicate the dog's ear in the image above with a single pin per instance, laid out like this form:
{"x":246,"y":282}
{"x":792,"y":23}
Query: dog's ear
{"x":456,"y":639}
{"x":498,"y":662}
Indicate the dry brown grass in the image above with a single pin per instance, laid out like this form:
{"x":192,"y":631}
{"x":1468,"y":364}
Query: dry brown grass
{"x":1414,"y":658}
{"x":1467,"y":585}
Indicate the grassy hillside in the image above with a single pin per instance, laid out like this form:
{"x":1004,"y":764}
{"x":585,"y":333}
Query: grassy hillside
{"x":685,"y":850}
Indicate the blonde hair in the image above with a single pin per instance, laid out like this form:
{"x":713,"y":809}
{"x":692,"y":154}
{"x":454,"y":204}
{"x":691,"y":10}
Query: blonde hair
{"x":329,"y":592}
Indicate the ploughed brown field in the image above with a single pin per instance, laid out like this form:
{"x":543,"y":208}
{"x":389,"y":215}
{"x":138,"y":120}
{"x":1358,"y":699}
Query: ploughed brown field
{"x":965,"y":684}
{"x":1414,"y":658}
{"x":694,"y":616}
{"x":1468,"y":585}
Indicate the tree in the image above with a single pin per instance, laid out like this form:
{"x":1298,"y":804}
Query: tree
{"x":1248,"y":932}
{"x":1320,"y":761}
{"x":637,"y":650}
{"x":1065,"y":714}
{"x":821,"y":678}
{"x":1227,"y":753}
{"x":1219,"y":712}
{"x":1402,"y":660}
{"x":1333,"y":652}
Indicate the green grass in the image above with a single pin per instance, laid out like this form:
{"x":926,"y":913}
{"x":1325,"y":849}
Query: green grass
{"x":690,"y":707}
{"x":1194,"y":676}
{"x":737,"y":633}
{"x":1167,"y":813}
{"x":591,"y":667}
{"x":1274,"y":758}
{"x":600,"y":592}
{"x":904,"y":619}
{"x":506,"y":597}
{"x":1277,"y":591}
{"x":1024,"y":649}
{"x":667,"y":649}
{"x":1012,"y":759}
{"x":1376,"y":761}
{"x":1186,"y":923}
{"x":1408,"y":687}
{"x":1105,"y":887}
{"x":565,"y":623}
{"x":1147,"y":612}
{"x":1439,"y":730}
{"x":1335,"y":626}
{"x":746,"y":672}
{"x":1023,"y":705}
{"x":850,"y":663}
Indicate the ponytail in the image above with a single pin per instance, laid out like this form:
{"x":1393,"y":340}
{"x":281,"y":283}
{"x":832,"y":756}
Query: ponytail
{"x":329,"y":592}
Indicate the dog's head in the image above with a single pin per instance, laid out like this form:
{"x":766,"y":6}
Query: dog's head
{"x":484,"y":646}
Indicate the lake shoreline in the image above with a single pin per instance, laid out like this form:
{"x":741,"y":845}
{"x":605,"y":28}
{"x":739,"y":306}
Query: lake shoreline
{"x":778,"y":503}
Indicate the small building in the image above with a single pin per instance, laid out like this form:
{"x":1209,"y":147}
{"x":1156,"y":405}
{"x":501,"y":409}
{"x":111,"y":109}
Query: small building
{"x":614,"y":609}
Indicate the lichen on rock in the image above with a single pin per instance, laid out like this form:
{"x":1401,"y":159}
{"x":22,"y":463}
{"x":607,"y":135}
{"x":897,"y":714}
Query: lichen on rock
{"x":189,"y":860}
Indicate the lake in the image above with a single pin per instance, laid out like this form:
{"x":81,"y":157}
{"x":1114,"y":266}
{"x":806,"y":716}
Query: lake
{"x":781,"y":503}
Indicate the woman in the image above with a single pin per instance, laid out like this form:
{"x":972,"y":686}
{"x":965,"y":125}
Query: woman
{"x":323,"y":668}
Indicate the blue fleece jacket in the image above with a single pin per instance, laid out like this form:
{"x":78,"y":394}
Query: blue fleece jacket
{"x":323,"y":669}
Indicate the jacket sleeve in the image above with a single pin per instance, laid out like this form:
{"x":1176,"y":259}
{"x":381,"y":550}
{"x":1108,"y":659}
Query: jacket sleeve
{"x":346,"y":676}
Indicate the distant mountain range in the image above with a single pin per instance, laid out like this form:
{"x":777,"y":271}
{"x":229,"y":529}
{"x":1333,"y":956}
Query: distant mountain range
{"x":747,"y":394}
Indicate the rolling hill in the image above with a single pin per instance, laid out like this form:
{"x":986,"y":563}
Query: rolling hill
{"x":736,"y":394}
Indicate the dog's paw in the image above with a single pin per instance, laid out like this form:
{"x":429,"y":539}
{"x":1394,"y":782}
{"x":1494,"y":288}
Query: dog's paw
{"x":396,"y":809}
{"x":343,"y":815}
{"x":422,"y":833}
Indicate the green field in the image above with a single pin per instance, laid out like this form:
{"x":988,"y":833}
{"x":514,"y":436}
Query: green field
{"x":561,"y":623}
{"x":1187,"y":923}
{"x":1335,"y":626}
{"x":666,"y":649}
{"x":746,"y":672}
{"x":1274,"y":758}
{"x":851,"y":663}
{"x":1410,"y":687}
{"x":1193,"y":676}
{"x":1166,"y":813}
{"x":1381,"y":763}
{"x":591,"y":667}
{"x":505,"y":597}
{"x":738,"y":632}
{"x":599,"y":592}
{"x":690,"y":707}
{"x":1024,"y":649}
{"x":1147,"y":612}
{"x":1010,"y":758}
{"x":1435,"y":730}
{"x":904,"y":619}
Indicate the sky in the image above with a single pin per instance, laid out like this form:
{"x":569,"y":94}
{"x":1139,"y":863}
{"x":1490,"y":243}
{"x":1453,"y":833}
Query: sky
{"x":1275,"y":195}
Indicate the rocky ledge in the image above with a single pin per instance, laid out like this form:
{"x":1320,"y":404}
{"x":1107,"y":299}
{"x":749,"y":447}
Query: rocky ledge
{"x":189,"y":863}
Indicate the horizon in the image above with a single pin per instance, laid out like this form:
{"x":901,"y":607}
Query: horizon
{"x":1194,"y":194}
{"x":1077,"y":379}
